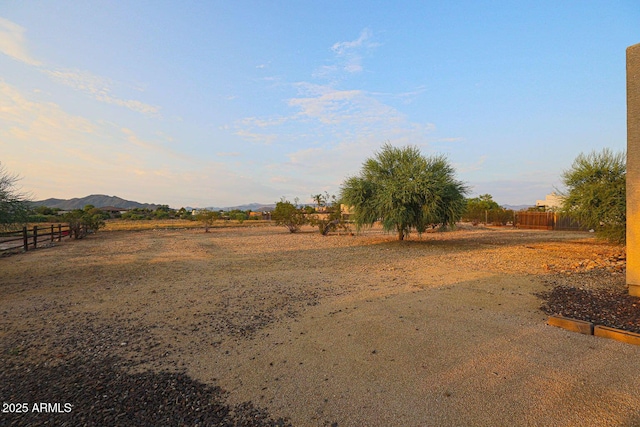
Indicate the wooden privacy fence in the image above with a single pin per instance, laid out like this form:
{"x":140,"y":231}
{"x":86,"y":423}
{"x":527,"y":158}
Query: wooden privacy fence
{"x":546,"y":221}
{"x":29,"y":238}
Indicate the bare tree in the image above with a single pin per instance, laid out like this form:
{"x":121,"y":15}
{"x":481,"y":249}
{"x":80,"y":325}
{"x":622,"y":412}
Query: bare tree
{"x":14,"y":205}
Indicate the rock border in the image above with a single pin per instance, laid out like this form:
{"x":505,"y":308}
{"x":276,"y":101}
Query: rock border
{"x":588,"y":328}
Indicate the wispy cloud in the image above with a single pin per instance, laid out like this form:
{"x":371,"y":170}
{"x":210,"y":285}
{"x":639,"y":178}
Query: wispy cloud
{"x":350,"y":112}
{"x":331,"y":107}
{"x":350,"y":52}
{"x":151,"y":146}
{"x":46,"y":122}
{"x":263,"y":123}
{"x":99,"y":88}
{"x":348,"y":57}
{"x":452,"y":139}
{"x":60,"y":147}
{"x":338,"y":127}
{"x":256,"y":137}
{"x":12,"y":42}
{"x":323,"y":115}
{"x":472,"y":167}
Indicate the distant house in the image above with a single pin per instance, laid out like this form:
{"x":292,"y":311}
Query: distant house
{"x":113,"y":211}
{"x":551,"y":202}
{"x":346,"y":211}
{"x":266,"y":215}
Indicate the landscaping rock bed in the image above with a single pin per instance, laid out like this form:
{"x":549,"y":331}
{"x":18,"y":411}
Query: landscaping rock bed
{"x":614,"y":308}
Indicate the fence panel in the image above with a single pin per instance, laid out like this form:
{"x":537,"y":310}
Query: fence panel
{"x":27,"y":239}
{"x":565,"y":222}
{"x":535,"y":220}
{"x":546,"y":221}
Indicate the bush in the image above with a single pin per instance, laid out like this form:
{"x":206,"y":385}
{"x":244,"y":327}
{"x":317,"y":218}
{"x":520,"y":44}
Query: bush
{"x":289,"y":215}
{"x":81,"y":222}
{"x":207,"y":218}
{"x":596,"y":193}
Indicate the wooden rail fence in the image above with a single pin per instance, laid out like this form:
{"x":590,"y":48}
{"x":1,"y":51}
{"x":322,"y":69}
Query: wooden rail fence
{"x":29,"y":238}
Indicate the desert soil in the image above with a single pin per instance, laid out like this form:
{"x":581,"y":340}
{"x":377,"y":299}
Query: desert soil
{"x":256,"y":326}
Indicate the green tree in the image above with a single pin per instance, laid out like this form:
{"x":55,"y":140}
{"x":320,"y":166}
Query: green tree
{"x":289,"y":215}
{"x":14,"y":205}
{"x":405,"y":190}
{"x":163,"y":212}
{"x":596,"y":193}
{"x":238,"y":215}
{"x":182,"y":213}
{"x":479,"y":209}
{"x":44,"y":210}
{"x":207,"y":218}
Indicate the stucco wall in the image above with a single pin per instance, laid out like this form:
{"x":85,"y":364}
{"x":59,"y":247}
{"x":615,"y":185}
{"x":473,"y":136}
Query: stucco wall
{"x":633,"y":169}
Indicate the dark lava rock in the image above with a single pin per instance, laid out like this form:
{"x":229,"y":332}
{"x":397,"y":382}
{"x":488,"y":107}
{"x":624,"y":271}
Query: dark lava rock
{"x":100,"y":392}
{"x":614,"y":308}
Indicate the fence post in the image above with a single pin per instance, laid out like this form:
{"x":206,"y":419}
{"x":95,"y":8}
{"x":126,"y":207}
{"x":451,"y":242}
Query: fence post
{"x":52,"y":232}
{"x":35,"y":236}
{"x":25,"y":238}
{"x":59,"y":232}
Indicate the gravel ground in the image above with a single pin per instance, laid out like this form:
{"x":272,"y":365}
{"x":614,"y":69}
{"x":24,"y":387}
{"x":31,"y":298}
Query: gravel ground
{"x":255,"y":326}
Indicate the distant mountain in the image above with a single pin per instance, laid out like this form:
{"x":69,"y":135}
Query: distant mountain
{"x":517,"y":207}
{"x":97,"y":200}
{"x":254,"y":207}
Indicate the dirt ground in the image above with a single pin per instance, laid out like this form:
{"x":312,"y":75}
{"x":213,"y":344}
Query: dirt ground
{"x":443,"y":329}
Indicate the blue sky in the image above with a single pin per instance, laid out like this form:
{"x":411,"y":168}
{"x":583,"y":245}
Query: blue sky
{"x":219,"y":103}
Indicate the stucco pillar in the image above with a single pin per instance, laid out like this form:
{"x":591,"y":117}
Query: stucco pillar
{"x":633,"y":169}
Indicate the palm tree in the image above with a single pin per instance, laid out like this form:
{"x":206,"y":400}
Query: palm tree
{"x":405,"y":191}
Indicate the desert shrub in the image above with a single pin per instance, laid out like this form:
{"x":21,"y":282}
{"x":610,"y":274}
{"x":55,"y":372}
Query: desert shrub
{"x":207,"y":218}
{"x":83,"y":221}
{"x":41,"y":218}
{"x":596,"y":193}
{"x":289,"y":215}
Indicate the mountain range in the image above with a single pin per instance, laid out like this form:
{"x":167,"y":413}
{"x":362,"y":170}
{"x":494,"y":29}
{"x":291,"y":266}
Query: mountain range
{"x":254,"y":207}
{"x":517,"y":207}
{"x":97,"y":200}
{"x":101,"y":200}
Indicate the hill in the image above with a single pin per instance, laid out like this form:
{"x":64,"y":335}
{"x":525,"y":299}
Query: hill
{"x":518,"y":207}
{"x":255,"y":207}
{"x":97,"y":200}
